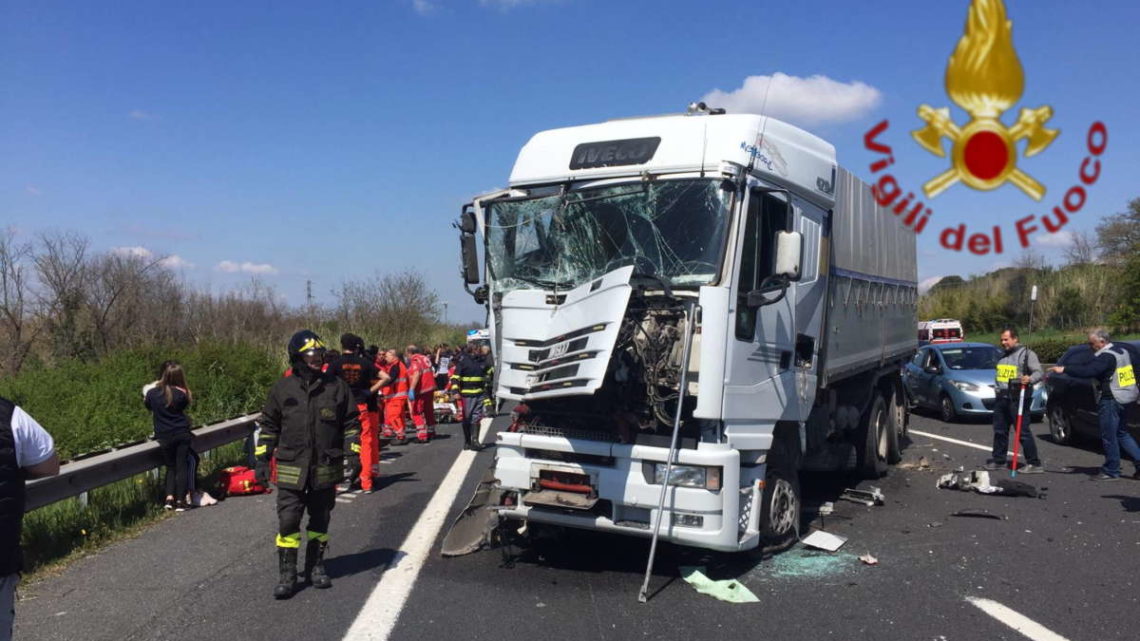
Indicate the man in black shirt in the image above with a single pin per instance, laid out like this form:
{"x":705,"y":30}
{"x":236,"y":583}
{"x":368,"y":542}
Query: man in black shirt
{"x":359,"y":371}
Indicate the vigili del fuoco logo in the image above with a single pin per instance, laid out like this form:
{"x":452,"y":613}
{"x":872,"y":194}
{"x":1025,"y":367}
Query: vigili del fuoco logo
{"x":985,"y":78}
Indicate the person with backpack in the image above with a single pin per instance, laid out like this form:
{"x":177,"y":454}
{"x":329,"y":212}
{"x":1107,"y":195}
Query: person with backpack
{"x":309,"y":421}
{"x":1112,"y":367}
{"x":168,"y":400}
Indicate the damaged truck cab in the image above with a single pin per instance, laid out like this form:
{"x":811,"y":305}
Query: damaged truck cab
{"x":618,"y":249}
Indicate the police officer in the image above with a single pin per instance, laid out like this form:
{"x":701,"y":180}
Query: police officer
{"x":309,"y":421}
{"x":1016,"y":374}
{"x":1112,"y":366}
{"x":471,"y":379}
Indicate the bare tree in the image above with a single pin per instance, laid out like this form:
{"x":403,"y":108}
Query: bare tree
{"x":60,"y":263}
{"x":394,"y":308}
{"x":114,"y":293}
{"x":17,"y":330}
{"x":1082,"y":250}
{"x":1030,"y":259}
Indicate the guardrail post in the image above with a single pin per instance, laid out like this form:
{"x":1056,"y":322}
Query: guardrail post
{"x":251,"y":445}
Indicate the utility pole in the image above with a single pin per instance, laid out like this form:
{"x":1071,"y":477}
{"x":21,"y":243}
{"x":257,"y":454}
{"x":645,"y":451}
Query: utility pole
{"x":444,"y":312}
{"x":309,"y":298}
{"x":1032,"y":301}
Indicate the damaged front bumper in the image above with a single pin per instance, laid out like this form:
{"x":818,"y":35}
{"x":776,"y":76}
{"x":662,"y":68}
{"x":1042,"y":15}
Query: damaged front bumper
{"x":617,"y":492}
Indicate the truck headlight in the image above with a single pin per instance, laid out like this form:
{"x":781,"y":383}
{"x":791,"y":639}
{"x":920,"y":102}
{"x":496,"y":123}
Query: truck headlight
{"x":688,"y":476}
{"x":964,"y":386}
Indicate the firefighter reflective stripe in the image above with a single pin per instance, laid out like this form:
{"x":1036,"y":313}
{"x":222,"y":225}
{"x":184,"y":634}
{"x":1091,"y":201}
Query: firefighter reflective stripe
{"x":355,"y":447}
{"x":1125,"y":376}
{"x":288,"y":474}
{"x":327,"y":474}
{"x":322,"y":537}
{"x":289,"y":540}
{"x":1006,"y":373}
{"x":260,"y":450}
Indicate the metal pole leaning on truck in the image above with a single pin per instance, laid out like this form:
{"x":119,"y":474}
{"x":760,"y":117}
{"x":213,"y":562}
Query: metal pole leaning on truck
{"x":642,"y":596}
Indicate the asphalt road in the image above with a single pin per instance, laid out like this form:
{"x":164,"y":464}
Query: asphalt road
{"x":1070,"y":563}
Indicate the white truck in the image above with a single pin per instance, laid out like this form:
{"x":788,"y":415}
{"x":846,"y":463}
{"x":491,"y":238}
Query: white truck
{"x":702,"y":295}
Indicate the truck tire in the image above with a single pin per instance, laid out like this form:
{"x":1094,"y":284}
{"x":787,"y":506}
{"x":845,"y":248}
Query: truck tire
{"x":780,"y":502}
{"x":876,"y":440}
{"x":897,"y":429}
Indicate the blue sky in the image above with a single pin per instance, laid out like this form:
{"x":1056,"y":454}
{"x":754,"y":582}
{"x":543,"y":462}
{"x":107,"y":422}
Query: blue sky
{"x":323,"y":141}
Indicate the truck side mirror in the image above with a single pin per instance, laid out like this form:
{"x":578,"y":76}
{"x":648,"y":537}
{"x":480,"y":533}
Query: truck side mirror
{"x":789,"y":245}
{"x":470,"y":257}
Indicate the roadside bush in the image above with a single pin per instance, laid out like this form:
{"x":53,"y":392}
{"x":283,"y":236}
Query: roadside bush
{"x":1049,"y":350}
{"x":89,"y":406}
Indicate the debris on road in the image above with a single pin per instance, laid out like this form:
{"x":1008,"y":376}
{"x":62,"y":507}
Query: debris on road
{"x":472,"y":530}
{"x":870,"y":497}
{"x":729,"y":590}
{"x":867,"y":559}
{"x":980,"y":481}
{"x":827,"y":508}
{"x":824,"y":540}
{"x":978,"y":514}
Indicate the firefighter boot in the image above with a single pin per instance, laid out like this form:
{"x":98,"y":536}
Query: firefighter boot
{"x":315,"y":564}
{"x":287,"y":566}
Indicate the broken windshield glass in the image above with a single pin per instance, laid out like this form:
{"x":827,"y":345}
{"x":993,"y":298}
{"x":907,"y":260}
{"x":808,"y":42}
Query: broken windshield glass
{"x":674,"y":230}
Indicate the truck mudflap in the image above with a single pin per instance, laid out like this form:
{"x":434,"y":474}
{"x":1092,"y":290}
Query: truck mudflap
{"x":613,"y":489}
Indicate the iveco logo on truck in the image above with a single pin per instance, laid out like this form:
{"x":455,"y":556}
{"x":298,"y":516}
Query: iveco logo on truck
{"x":613,"y":153}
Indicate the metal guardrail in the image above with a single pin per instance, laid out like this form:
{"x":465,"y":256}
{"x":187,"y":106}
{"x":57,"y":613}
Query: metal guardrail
{"x":77,"y":477}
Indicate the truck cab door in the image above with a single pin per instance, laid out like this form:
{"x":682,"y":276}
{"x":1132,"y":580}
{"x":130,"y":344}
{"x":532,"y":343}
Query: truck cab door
{"x":760,"y":385}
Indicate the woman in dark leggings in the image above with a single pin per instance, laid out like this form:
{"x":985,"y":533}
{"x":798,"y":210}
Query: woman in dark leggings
{"x":167,"y":401}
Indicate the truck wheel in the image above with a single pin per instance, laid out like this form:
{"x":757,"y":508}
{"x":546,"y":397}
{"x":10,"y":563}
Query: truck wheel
{"x":876,"y":444}
{"x":780,"y":502}
{"x":897,"y":428}
{"x":1059,"y":428}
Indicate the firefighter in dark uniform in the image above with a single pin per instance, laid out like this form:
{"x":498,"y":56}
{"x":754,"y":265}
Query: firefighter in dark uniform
{"x":471,"y":379}
{"x":309,"y":421}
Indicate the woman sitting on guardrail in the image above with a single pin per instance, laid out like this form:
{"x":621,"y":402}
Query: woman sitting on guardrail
{"x":167,"y":400}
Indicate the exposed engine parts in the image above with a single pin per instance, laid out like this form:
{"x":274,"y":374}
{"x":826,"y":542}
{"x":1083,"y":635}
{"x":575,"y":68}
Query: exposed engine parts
{"x":642,"y":383}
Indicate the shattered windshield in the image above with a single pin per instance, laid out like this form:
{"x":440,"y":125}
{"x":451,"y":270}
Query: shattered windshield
{"x":674,"y":230}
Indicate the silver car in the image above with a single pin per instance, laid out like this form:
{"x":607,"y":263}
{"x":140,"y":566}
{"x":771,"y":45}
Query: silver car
{"x":957,"y":379}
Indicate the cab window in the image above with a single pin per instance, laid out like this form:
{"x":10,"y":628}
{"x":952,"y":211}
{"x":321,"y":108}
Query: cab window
{"x":767,"y":214}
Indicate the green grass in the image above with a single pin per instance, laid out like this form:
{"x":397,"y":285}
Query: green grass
{"x":65,"y":530}
{"x":91,"y":406}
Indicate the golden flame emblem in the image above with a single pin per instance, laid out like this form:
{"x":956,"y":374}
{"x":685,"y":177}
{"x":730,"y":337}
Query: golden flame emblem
{"x":984,"y":77}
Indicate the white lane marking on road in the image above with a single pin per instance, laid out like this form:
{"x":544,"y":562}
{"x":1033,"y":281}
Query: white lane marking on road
{"x":341,"y":499}
{"x":953,"y":440}
{"x":1016,"y":620}
{"x":378,"y":617}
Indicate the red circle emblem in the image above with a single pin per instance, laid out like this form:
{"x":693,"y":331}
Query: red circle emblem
{"x":985,"y":155}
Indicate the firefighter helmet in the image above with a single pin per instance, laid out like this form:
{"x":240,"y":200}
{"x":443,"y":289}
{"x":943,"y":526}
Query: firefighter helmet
{"x":307,"y":347}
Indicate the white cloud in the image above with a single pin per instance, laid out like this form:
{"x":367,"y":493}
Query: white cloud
{"x":1059,"y":239}
{"x":33,"y":190}
{"x":174,"y":261}
{"x":424,"y":7}
{"x":139,"y":114}
{"x":925,"y":284}
{"x":809,"y":101}
{"x":138,"y":252}
{"x":247,"y":267}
